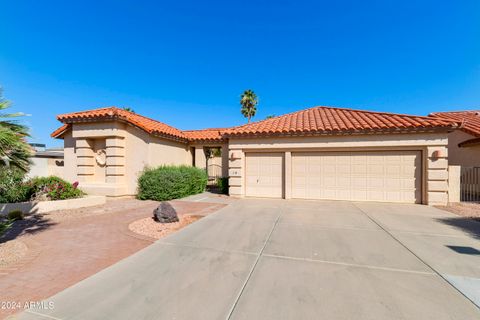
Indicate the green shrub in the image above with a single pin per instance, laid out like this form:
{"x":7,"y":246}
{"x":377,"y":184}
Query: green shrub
{"x":5,"y":224}
{"x":15,"y":215}
{"x":222,"y":184}
{"x":171,"y":182}
{"x":13,"y":187}
{"x":54,"y":188}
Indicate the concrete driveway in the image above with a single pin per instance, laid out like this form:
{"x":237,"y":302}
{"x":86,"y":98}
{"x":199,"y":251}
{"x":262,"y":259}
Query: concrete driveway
{"x":289,"y":259}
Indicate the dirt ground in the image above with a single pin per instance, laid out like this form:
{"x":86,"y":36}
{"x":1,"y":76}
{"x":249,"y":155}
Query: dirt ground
{"x":464,"y":209}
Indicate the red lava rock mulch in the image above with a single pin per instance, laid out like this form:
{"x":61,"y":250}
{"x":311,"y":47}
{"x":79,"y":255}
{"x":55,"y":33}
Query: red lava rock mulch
{"x":65,"y":248}
{"x":150,"y":228}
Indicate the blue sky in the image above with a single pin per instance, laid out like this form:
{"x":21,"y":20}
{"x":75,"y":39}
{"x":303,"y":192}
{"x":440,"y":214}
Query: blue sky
{"x":186,"y":62}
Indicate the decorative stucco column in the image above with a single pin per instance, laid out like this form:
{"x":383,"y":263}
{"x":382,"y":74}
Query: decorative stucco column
{"x":235,"y":172}
{"x":85,"y":160}
{"x":115,"y":150}
{"x":454,"y":184}
{"x":225,"y":160}
{"x":288,"y":175}
{"x":437,"y":175}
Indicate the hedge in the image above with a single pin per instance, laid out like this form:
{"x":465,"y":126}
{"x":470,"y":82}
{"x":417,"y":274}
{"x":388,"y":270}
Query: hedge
{"x":171,"y":182}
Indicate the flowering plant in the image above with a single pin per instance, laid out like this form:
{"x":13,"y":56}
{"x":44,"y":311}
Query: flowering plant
{"x":54,"y":188}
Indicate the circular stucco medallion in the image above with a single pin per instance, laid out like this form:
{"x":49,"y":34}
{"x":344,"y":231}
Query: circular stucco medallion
{"x":101,"y":157}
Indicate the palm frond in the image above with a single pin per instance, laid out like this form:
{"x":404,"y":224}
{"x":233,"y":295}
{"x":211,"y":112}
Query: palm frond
{"x":14,"y":149}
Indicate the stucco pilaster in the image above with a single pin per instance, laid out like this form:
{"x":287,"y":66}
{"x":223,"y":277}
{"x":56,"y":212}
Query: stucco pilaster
{"x":85,"y":160}
{"x":288,"y":175}
{"x":115,"y":162}
{"x":437,"y":175}
{"x":235,"y":172}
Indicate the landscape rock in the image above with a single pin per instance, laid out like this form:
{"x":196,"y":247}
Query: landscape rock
{"x":165,"y":213}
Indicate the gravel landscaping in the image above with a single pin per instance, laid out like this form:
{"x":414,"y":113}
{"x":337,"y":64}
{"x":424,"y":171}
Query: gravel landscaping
{"x":150,"y":228}
{"x":11,"y":252}
{"x":464,"y":209}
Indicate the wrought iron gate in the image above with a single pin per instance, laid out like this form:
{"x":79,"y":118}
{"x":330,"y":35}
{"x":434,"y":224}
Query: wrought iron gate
{"x":470,"y":184}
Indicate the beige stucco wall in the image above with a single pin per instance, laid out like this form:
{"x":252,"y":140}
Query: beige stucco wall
{"x":69,"y":157}
{"x":435,"y":166}
{"x":55,"y":167}
{"x":45,"y":166}
{"x":467,"y":156}
{"x":200,"y":158}
{"x":99,"y":129}
{"x":38,"y":167}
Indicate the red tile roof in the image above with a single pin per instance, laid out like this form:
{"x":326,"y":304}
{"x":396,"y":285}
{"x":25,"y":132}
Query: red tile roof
{"x":469,"y":119}
{"x":309,"y":121}
{"x":333,"y":120}
{"x":147,"y":124}
{"x":212,"y":134}
{"x":60,"y":131}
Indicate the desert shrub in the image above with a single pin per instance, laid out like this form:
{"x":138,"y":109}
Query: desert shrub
{"x":171,"y":182}
{"x":5,"y":224}
{"x":222,"y":184}
{"x":15,"y":215}
{"x":54,"y":188}
{"x":13,"y":187}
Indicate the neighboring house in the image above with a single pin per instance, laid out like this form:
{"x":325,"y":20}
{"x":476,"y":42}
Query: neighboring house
{"x":46,"y":162}
{"x":463,"y":144}
{"x":317,"y":153}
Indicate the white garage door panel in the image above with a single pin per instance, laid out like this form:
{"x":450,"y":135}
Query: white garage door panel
{"x":264,"y":175}
{"x":392,"y":176}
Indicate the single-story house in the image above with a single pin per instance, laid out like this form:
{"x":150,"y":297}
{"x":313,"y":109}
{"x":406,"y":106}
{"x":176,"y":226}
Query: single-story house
{"x":317,"y":153}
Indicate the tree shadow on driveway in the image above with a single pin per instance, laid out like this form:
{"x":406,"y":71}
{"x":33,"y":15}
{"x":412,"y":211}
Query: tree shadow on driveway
{"x":469,"y":225}
{"x":32,"y":224}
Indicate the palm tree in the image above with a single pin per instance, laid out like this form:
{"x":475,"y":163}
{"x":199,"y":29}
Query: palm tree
{"x":129,"y":109}
{"x":14,"y":149}
{"x":248,"y":101}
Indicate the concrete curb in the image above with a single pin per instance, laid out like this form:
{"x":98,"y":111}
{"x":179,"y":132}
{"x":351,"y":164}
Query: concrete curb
{"x":47,"y":206}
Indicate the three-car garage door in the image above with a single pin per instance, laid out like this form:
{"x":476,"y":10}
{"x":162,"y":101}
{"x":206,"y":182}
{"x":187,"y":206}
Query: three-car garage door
{"x":391,"y":176}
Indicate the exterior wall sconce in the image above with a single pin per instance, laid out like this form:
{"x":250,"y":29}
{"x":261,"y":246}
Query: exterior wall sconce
{"x":234,"y":155}
{"x":438,"y":154}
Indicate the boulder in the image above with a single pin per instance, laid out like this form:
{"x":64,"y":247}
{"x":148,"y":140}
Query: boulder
{"x":165,"y":213}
